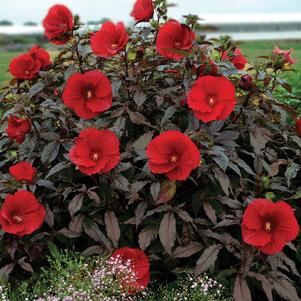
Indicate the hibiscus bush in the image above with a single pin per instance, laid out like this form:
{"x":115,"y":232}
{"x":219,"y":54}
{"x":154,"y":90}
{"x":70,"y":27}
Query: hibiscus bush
{"x":157,"y":142}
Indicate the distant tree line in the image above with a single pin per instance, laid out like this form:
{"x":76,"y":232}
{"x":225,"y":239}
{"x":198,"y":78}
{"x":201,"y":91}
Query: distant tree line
{"x":6,"y":23}
{"x":32,"y":23}
{"x":101,"y":21}
{"x":10,"y":23}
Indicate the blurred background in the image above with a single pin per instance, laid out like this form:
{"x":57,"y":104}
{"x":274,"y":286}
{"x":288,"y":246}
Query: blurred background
{"x":256,"y":25}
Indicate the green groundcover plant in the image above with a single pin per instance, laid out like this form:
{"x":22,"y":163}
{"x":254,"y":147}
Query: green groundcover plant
{"x":157,"y":143}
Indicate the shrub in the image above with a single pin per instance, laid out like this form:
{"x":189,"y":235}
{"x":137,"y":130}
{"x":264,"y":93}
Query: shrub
{"x":154,"y":101}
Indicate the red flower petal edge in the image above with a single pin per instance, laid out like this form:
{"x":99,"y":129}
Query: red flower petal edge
{"x":23,"y":172}
{"x":95,"y":151}
{"x":143,"y":10}
{"x":174,"y":40}
{"x":237,"y":58}
{"x":21,"y":213}
{"x":285,"y":54}
{"x":24,"y":67}
{"x":174,"y":154}
{"x":109,"y":40}
{"x":269,"y":226}
{"x":88,"y":94}
{"x":18,"y":128}
{"x":212,"y":98}
{"x":58,"y":24}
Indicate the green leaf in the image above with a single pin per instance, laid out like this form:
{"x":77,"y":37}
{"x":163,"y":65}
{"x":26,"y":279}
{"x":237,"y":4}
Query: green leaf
{"x":270,"y":195}
{"x":53,"y":249}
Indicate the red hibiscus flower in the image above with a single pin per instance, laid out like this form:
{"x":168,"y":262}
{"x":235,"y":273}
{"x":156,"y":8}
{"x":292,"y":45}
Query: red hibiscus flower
{"x":58,"y":24}
{"x":286,"y":55}
{"x":24,"y":66}
{"x":237,"y":58}
{"x":88,"y":94}
{"x":143,"y":10}
{"x":298,"y":127}
{"x":109,"y":40}
{"x":131,"y":268}
{"x":173,"y":154}
{"x":18,"y":128}
{"x":174,"y":40}
{"x":269,"y":226}
{"x":212,"y":98}
{"x":95,"y":151}
{"x":41,"y":55}
{"x":23,"y":172}
{"x":21,"y":213}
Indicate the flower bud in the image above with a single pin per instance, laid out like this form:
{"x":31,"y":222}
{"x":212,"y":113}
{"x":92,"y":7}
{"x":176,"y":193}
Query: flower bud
{"x":246,"y":82}
{"x":298,"y":127}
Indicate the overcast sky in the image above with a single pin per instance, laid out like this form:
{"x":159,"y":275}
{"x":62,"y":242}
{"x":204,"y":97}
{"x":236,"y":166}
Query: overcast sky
{"x":34,"y":10}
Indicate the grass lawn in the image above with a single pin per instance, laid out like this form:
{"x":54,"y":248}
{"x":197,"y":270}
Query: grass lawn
{"x":254,"y":49}
{"x":5,"y":58}
{"x":251,"y":49}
